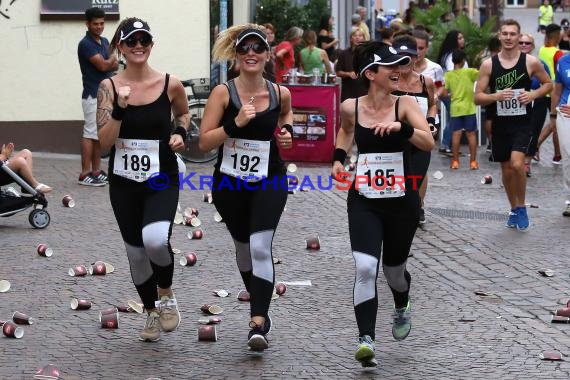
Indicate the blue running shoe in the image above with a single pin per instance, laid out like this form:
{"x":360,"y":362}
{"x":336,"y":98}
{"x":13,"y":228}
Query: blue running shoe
{"x":522,"y":222}
{"x":402,"y":322}
{"x":513,"y":219}
{"x":365,"y":351}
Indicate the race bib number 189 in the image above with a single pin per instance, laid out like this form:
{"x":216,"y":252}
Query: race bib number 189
{"x":136,"y":159}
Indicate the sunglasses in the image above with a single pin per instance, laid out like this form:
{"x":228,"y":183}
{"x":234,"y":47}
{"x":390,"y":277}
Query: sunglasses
{"x":525,"y":43}
{"x":145,"y":40}
{"x":257,"y":48}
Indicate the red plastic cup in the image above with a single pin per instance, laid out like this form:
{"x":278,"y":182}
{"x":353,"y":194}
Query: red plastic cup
{"x":12,"y":330}
{"x":196,"y":234}
{"x":80,"y":304}
{"x":487,"y":180}
{"x":243,"y":296}
{"x":313,"y":243}
{"x":280,"y":288}
{"x":207,"y":333}
{"x":109,"y":320}
{"x":188,"y":259}
{"x":207,"y":197}
{"x":49,"y":371}
{"x":68,"y":201}
{"x":22,"y":319}
{"x":98,"y":269}
{"x":78,"y":271}
{"x":44,"y":250}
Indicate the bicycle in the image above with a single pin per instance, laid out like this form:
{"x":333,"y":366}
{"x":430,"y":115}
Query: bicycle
{"x":197,"y":97}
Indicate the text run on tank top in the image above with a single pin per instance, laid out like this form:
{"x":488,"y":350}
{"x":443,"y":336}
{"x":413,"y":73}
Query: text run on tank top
{"x":143,"y":142}
{"x":510,"y":112}
{"x":260,"y":128}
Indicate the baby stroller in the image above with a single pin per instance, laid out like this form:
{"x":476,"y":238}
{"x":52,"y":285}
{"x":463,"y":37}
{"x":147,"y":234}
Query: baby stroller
{"x":12,"y":202}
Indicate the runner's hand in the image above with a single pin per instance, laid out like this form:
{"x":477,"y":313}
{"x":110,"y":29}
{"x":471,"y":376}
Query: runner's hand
{"x":337,"y":168}
{"x":506,"y":94}
{"x":123,"y":96}
{"x":176,"y":143}
{"x":284,"y":139}
{"x":525,"y":97}
{"x":246,"y":113}
{"x":565,"y":110}
{"x":386,"y":128}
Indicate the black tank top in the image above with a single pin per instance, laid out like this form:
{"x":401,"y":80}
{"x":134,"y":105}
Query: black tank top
{"x":368,"y":142}
{"x":148,"y":122}
{"x":516,"y":78}
{"x":261,"y":128}
{"x":423,"y":94}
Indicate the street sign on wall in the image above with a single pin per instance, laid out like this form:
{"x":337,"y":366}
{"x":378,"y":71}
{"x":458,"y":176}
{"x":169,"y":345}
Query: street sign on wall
{"x":75,"y":10}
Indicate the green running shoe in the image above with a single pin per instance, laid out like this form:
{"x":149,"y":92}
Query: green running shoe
{"x":402,"y":322}
{"x":365,"y":352}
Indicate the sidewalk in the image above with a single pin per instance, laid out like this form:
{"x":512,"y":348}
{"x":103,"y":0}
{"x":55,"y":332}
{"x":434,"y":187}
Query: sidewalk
{"x":464,"y":248}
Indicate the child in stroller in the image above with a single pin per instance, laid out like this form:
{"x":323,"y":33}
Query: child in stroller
{"x":12,"y":202}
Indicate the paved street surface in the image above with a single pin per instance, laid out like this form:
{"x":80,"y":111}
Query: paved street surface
{"x":457,"y":334}
{"x":464,"y":248}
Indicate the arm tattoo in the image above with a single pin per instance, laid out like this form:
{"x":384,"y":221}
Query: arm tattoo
{"x":182,"y":121}
{"x":103,"y":108}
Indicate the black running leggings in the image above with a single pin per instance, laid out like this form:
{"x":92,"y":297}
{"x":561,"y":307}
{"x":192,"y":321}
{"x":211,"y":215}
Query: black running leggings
{"x":252,"y":217}
{"x":375,"y":229}
{"x":145,"y":219}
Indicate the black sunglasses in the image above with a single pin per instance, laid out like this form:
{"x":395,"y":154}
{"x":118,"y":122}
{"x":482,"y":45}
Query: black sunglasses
{"x":525,"y":43}
{"x":145,"y":40}
{"x":257,"y":48}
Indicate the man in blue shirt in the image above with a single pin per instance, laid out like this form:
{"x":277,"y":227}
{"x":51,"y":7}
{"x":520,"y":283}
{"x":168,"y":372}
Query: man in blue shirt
{"x":96,"y":65}
{"x":560,"y":102}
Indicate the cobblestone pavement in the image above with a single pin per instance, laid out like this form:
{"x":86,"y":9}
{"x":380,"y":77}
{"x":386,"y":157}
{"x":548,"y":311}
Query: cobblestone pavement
{"x":456,"y":333}
{"x":464,"y":248}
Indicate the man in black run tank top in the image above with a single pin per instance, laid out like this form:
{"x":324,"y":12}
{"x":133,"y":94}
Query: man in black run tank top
{"x":508,"y":77}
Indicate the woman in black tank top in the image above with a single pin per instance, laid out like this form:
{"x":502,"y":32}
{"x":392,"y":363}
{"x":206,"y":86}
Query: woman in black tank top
{"x":423,"y":90}
{"x":249,"y":189}
{"x":383,"y":203}
{"x":133,"y":117}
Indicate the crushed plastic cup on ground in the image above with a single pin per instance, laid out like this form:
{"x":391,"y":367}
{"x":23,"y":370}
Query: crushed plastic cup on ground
{"x":80,"y":304}
{"x":437,"y":174}
{"x":4,"y":286}
{"x":207,"y":333}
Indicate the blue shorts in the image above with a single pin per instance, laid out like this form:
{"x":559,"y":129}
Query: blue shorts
{"x":467,"y":123}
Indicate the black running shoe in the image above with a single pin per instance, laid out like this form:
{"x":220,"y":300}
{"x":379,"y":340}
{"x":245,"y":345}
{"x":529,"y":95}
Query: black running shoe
{"x":257,"y":340}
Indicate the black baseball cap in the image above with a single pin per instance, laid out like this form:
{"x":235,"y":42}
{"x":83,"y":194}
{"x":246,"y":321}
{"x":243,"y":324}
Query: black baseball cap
{"x":385,"y":56}
{"x":253,"y":32}
{"x":406,"y":47}
{"x":134,"y":26}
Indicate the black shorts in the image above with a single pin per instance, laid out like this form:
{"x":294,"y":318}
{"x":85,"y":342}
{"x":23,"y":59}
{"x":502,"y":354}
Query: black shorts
{"x":509,"y":139}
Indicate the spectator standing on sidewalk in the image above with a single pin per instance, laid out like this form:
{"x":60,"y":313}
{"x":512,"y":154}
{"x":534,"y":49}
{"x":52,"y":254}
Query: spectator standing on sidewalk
{"x":312,"y":57}
{"x":560,"y":99}
{"x":285,"y":52}
{"x":96,"y":64}
{"x":545,"y":16}
{"x":240,"y":119}
{"x":326,"y":40}
{"x":550,"y":54}
{"x":134,"y":111}
{"x":459,"y":82}
{"x":564,"y":43}
{"x":382,"y":222}
{"x":453,"y":40}
{"x":351,"y":86}
{"x":508,"y":75}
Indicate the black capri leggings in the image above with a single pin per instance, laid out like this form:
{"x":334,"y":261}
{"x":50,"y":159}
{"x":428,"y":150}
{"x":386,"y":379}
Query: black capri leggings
{"x":376,"y":226}
{"x":537,"y":118}
{"x":252,"y":217}
{"x":145,"y":220}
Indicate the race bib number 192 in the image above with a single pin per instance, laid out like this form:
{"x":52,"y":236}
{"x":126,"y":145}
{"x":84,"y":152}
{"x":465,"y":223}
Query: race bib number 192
{"x":245,"y":159}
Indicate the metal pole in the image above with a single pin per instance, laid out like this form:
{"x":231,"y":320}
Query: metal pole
{"x":223,"y":26}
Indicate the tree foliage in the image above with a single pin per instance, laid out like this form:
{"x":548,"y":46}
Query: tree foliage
{"x":476,"y":38}
{"x":283,"y":15}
